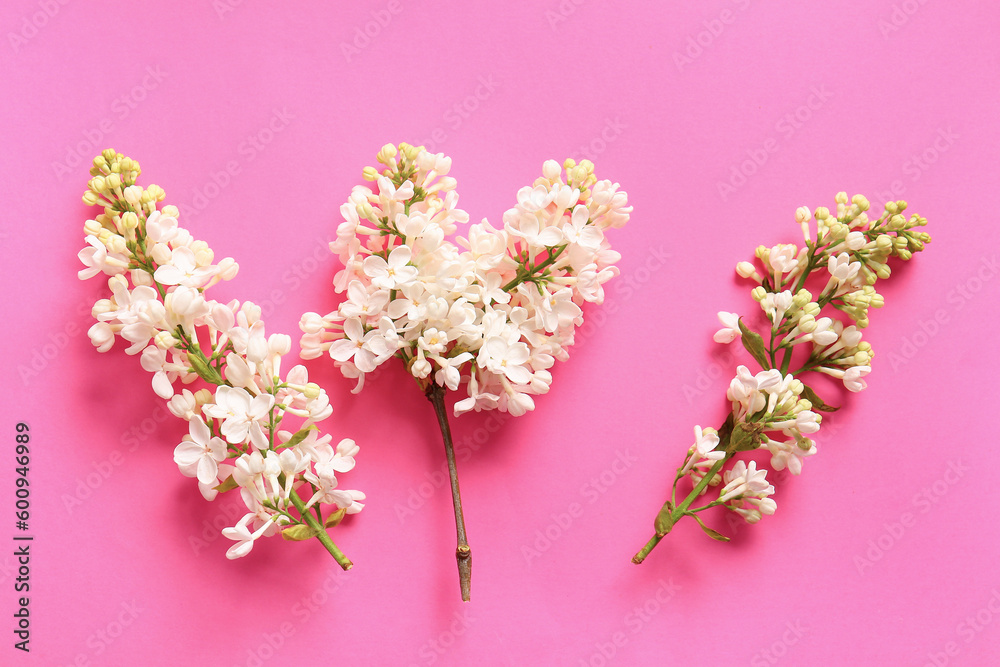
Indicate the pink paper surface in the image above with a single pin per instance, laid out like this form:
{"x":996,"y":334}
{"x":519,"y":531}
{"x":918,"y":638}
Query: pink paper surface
{"x":718,"y":119}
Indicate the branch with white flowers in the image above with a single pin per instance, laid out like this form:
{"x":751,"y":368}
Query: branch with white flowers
{"x":285,"y":471}
{"x":493,"y":310}
{"x":773,"y":409}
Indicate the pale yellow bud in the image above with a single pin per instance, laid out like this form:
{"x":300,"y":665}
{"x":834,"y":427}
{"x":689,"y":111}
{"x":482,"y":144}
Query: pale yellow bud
{"x":861,"y":202}
{"x":203,"y":255}
{"x":113,"y":181}
{"x":758,"y":293}
{"x":369,"y":173}
{"x":165,"y":340}
{"x":387,"y":154}
{"x":807,"y":323}
{"x":129,"y":221}
{"x":92,"y":227}
{"x":170,"y":211}
{"x":745,"y":269}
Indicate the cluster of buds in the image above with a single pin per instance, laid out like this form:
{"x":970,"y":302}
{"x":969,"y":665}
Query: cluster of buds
{"x":800,"y":291}
{"x":249,"y":429}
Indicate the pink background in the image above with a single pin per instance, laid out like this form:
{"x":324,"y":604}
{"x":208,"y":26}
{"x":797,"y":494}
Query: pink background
{"x":834,"y":577}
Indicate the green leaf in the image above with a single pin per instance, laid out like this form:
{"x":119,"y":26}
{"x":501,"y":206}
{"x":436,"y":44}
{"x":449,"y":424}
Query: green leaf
{"x":754,"y":344}
{"x":714,"y":534}
{"x":817,"y":402}
{"x":664,"y":521}
{"x":335,"y":518}
{"x":227,"y":485}
{"x":200,"y":366}
{"x":726,"y":432}
{"x":299,"y":436}
{"x":298,"y":532}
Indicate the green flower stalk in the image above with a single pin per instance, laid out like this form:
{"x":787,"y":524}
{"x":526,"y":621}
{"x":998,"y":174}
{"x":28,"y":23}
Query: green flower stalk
{"x":800,"y":290}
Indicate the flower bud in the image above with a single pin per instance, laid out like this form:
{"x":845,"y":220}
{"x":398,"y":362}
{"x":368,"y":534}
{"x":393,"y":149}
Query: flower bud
{"x":203,"y":255}
{"x":279,"y":344}
{"x":745,"y":269}
{"x":387,"y":154}
{"x":117,"y":244}
{"x":228,"y":268}
{"x":170,"y":211}
{"x":311,"y":390}
{"x":133,"y":195}
{"x":861,"y":202}
{"x":802,"y":214}
{"x":551,"y":170}
{"x":370,"y":173}
{"x":165,"y":340}
{"x":113,"y":181}
{"x":758,"y":293}
{"x":161,"y":253}
{"x":129,"y":221}
{"x":807,"y":323}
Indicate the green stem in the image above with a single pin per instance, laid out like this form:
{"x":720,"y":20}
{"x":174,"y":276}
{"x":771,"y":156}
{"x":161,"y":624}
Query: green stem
{"x":525,"y":273}
{"x":682,"y":509}
{"x":321,"y":534}
{"x":463,"y":553}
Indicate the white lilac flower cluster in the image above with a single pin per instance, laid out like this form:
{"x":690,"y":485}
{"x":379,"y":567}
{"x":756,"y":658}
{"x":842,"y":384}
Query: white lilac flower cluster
{"x":158,"y":278}
{"x":494,"y":309}
{"x":799,"y":291}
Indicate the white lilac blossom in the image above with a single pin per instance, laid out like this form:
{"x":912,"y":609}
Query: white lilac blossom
{"x":159,"y":277}
{"x":491,"y":309}
{"x":815,"y":300}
